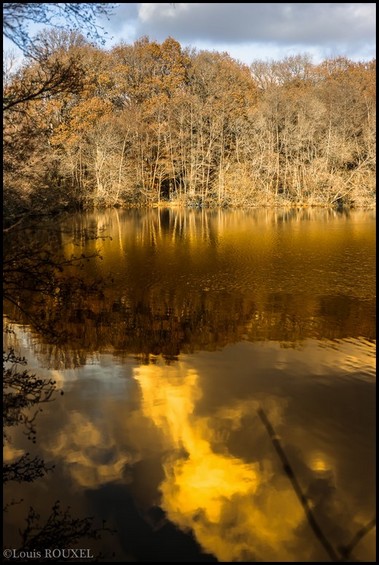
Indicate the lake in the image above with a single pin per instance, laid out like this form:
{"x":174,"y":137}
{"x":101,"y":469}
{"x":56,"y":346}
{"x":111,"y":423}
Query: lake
{"x":222,"y":370}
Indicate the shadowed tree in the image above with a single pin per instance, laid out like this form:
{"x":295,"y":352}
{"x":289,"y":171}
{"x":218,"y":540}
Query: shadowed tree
{"x":44,"y":73}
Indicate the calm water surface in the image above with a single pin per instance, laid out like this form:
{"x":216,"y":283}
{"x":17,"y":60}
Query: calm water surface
{"x":203,"y":319}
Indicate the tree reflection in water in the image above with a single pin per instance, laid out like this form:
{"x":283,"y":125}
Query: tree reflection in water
{"x":147,"y":312}
{"x":153,"y":536}
{"x":53,"y":284}
{"x":31,"y":266}
{"x":23,"y":394}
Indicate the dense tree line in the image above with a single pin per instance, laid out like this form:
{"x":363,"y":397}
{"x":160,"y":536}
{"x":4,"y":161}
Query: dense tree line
{"x":153,"y":123}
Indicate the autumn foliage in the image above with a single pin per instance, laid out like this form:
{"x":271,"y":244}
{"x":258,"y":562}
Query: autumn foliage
{"x":154,"y":123}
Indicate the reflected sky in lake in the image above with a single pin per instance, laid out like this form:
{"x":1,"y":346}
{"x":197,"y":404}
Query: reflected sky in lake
{"x":209,"y":317}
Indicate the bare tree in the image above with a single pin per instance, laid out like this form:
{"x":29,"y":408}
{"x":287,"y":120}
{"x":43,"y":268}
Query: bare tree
{"x":80,"y":17}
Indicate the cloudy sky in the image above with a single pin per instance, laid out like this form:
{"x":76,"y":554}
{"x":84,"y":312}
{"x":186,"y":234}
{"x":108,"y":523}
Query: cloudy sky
{"x":253,"y":31}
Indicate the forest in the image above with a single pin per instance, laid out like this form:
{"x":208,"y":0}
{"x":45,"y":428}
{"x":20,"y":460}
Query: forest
{"x":259,"y":284}
{"x":153,"y":123}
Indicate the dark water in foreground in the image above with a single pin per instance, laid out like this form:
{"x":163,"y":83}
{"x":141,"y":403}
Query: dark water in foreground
{"x":205,"y":318}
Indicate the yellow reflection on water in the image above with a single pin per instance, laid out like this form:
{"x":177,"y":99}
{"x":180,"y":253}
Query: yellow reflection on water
{"x":11,"y":453}
{"x":226,"y":501}
{"x":319,"y":462}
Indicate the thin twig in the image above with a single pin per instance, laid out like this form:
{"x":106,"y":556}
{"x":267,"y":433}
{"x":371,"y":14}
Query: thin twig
{"x":347,"y":549}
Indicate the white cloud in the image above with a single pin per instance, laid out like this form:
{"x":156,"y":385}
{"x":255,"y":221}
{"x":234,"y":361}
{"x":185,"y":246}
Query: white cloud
{"x":264,"y":29}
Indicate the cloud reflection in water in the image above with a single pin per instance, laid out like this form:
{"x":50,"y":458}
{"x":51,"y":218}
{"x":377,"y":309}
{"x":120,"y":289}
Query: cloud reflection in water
{"x":227,"y":502}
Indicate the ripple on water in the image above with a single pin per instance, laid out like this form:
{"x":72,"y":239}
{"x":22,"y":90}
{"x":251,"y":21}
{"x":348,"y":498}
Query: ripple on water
{"x":354,"y":356}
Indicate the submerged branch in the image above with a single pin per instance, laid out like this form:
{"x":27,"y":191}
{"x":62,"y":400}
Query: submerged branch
{"x":297,"y":488}
{"x":347,"y":549}
{"x":344,"y":551}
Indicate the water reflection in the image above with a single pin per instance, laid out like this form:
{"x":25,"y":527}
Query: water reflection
{"x":243,"y":508}
{"x":186,"y":437}
{"x":23,"y":395}
{"x":179,"y":281}
{"x":205,"y":487}
{"x":209,"y":317}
